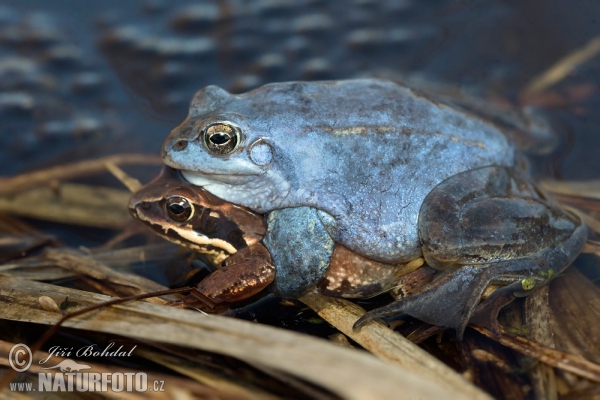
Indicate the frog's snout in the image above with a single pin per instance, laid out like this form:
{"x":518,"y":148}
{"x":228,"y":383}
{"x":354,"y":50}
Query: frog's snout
{"x":180,"y":145}
{"x":174,"y":146}
{"x":137,"y":205}
{"x":133,"y":213}
{"x":132,"y":206}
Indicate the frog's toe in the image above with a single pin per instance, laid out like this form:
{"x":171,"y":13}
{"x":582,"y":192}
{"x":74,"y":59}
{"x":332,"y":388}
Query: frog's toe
{"x":486,"y":313}
{"x":448,"y":301}
{"x":414,"y":306}
{"x":368,"y":316}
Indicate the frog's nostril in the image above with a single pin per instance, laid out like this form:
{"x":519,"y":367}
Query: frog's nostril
{"x":180,"y":145}
{"x":144,"y":205}
{"x":133,"y":212}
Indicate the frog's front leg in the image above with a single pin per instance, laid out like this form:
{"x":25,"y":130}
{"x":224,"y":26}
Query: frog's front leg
{"x":244,"y":274}
{"x":301,"y":249}
{"x":306,"y":255}
{"x":482,"y":227}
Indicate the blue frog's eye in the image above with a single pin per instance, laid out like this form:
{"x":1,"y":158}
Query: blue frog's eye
{"x":221,"y":138}
{"x":179,"y":209}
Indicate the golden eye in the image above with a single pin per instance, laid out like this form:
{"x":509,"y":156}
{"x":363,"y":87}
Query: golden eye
{"x":221,"y":138}
{"x":179,"y":208}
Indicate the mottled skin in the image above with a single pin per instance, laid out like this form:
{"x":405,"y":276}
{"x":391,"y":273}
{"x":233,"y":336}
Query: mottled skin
{"x":366,"y":152}
{"x":489,"y":226}
{"x":389,"y":174}
{"x":231,"y":238}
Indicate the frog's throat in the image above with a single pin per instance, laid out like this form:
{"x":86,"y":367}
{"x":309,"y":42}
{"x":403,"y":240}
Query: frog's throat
{"x":206,"y":178}
{"x":201,"y":241}
{"x":210,"y":247}
{"x":187,"y":237}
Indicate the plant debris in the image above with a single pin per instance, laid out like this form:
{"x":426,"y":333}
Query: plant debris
{"x":554,"y":336}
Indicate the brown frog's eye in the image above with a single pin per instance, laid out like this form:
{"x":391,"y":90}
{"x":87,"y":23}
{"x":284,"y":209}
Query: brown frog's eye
{"x":179,"y":208}
{"x":221,"y":138}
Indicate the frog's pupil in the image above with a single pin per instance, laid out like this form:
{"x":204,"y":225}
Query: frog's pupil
{"x":179,"y":208}
{"x":176,"y":208}
{"x":220,"y":138}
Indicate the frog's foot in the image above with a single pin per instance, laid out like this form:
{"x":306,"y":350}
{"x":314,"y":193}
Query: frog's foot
{"x":486,"y":313}
{"x":413,"y":282}
{"x":451,"y":299}
{"x":448,"y":301}
{"x":245,"y":274}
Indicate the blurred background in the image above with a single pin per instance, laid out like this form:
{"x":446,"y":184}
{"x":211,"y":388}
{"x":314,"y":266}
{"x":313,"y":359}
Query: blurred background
{"x":82,"y":79}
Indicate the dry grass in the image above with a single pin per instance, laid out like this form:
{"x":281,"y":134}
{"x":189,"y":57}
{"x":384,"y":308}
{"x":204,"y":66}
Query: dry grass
{"x":220,"y":357}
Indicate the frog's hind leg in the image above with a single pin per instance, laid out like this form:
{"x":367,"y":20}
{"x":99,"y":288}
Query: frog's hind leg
{"x":451,"y":299}
{"x":482,"y":227}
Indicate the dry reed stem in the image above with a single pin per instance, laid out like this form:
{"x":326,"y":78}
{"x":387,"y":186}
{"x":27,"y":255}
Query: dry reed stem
{"x":562,"y":68}
{"x":128,"y":284}
{"x":385,"y":343}
{"x":70,"y":203}
{"x":348,"y":373}
{"x":30,"y":180}
{"x":553,"y":357}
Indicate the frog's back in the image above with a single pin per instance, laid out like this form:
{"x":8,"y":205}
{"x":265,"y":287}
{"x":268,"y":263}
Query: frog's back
{"x":366,"y":152}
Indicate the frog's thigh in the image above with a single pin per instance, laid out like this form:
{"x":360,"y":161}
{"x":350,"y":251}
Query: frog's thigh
{"x":490,"y":215}
{"x":482,"y":228}
{"x":300,"y":247}
{"x":351,"y":275}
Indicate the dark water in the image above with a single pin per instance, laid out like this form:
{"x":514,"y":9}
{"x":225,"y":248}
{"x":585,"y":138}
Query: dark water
{"x":87,"y":78}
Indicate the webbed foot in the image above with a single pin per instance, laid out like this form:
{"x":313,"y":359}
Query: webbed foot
{"x":451,"y":299}
{"x":447,"y":301}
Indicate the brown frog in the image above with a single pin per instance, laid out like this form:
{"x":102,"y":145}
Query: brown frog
{"x":230,"y":236}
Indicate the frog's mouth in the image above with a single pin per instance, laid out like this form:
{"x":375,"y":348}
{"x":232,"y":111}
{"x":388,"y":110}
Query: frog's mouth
{"x":208,"y":178}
